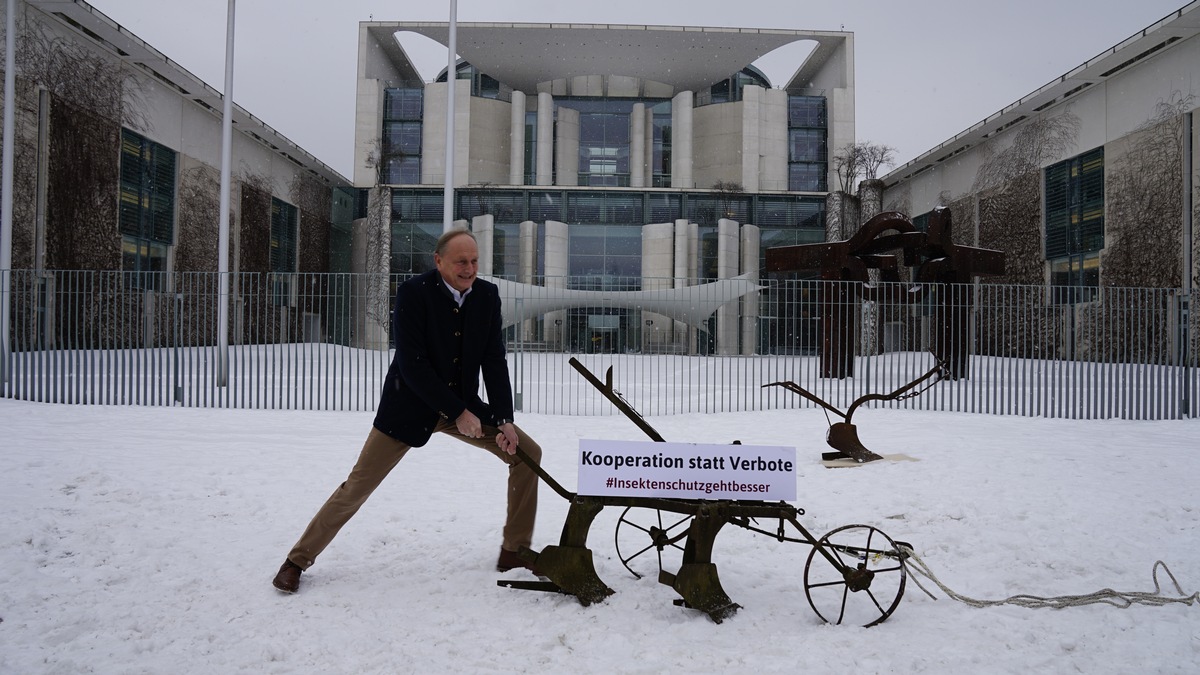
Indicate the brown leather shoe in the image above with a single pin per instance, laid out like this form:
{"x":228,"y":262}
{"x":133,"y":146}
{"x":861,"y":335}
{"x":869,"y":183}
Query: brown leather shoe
{"x":510,"y":560}
{"x":288,"y":577}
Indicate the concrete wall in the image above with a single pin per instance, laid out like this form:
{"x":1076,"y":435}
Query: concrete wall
{"x":658,"y":266}
{"x":773,"y":139}
{"x":717,"y":133}
{"x":433,"y":134}
{"x":566,"y":147}
{"x":544,"y":169}
{"x":488,"y":141}
{"x":516,"y":140}
{"x":683,"y":141}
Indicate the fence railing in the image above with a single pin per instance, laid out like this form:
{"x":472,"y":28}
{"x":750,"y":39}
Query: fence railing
{"x":321,"y":342}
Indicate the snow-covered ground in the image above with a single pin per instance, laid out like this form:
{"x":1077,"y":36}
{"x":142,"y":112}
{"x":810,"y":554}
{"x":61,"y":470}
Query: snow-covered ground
{"x":143,"y":540}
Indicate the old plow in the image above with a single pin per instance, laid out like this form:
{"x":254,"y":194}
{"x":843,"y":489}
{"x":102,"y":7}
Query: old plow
{"x":854,"y":574}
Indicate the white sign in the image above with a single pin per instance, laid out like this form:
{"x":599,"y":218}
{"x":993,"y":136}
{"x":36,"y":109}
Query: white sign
{"x":686,"y":470}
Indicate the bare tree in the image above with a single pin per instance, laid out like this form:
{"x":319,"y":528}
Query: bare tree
{"x":847,"y":163}
{"x":876,"y":156}
{"x":728,"y":191}
{"x":863,"y":159}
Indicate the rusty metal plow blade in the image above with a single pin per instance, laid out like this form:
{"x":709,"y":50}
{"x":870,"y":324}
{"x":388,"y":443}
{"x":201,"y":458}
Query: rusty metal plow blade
{"x":843,"y":436}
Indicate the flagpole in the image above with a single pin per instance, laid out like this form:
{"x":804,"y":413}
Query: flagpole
{"x":6,"y":202}
{"x":451,"y":80}
{"x":223,"y":231}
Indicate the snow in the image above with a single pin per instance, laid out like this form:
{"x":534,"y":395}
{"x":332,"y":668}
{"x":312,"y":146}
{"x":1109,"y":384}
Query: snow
{"x":143,"y":540}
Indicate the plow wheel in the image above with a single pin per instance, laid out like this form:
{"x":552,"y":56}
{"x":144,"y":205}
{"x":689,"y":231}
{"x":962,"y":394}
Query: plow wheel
{"x":870,"y":586}
{"x":642,"y":531}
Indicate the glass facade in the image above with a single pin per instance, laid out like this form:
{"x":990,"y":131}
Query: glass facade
{"x":730,"y":89}
{"x":808,"y":155}
{"x":1074,"y":203}
{"x":146,"y":212}
{"x":482,"y":84}
{"x":604,"y":226}
{"x":605,"y":125}
{"x":400,"y":160}
{"x":285,"y":225}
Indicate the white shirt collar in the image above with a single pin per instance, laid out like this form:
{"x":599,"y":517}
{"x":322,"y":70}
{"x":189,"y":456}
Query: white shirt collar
{"x":458,"y":297}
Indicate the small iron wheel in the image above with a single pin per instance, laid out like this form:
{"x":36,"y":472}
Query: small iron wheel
{"x":868,"y":587}
{"x":640,"y":531}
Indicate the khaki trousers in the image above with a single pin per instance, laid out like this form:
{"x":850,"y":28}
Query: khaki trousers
{"x":381,"y":452}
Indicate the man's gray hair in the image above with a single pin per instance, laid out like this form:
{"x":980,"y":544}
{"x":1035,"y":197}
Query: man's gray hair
{"x":444,"y":240}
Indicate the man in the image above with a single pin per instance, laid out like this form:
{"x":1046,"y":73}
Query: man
{"x":447,"y":329}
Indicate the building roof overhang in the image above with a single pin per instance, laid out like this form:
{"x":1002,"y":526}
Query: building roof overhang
{"x":1179,"y":25}
{"x":523,"y":55}
{"x":95,"y":26}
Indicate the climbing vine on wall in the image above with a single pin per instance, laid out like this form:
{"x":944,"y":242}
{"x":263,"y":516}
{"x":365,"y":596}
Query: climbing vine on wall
{"x":1144,"y":201}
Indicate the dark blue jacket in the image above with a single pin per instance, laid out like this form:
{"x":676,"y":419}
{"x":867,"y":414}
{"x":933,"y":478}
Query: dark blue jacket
{"x":440,"y":352}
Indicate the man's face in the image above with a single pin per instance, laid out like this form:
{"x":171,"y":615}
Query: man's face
{"x":460,"y":263}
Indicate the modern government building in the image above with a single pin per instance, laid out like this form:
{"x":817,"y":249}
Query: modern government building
{"x":620,"y":158}
{"x":598,"y":158}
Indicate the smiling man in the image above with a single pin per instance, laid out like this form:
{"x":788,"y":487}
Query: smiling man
{"x":448,"y":331}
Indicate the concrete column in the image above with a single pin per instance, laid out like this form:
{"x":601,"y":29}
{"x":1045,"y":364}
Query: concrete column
{"x":658,"y":266}
{"x":484,"y":228}
{"x":841,"y":216}
{"x":370,"y":258}
{"x":545,"y":139}
{"x":727,"y":268}
{"x":556,"y":265}
{"x":751,"y":242}
{"x":516,"y":134}
{"x":566,"y":147}
{"x":681,"y":279}
{"x":637,"y":146}
{"x":870,"y":199}
{"x":870,"y":204}
{"x":649,"y":146}
{"x":527,"y":267}
{"x":681,"y":141}
{"x":751,"y":137}
{"x":693,"y":273}
{"x":773,"y":143}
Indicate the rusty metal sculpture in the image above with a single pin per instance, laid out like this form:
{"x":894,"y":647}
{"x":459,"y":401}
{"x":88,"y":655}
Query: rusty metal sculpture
{"x":853,"y":574}
{"x":843,"y":436}
{"x":940,"y":263}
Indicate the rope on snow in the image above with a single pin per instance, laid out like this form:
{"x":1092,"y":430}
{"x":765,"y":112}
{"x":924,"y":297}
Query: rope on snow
{"x":1106,"y":596}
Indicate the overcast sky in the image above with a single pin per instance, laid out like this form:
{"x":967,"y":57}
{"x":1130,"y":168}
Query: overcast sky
{"x":925,"y":69}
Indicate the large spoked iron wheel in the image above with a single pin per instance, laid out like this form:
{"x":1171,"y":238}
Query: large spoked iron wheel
{"x":868,"y":590}
{"x":641,"y":532}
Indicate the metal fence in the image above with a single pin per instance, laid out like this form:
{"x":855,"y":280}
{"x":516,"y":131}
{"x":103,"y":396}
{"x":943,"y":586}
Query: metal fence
{"x":321,"y":342}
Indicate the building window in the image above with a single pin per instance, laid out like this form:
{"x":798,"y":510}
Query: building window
{"x":482,"y":84}
{"x":661,"y":153}
{"x":146,"y":216}
{"x":403,"y":111}
{"x":808,"y":160}
{"x":730,"y":90}
{"x":1074,"y":205}
{"x":921,"y":222}
{"x":284,"y":231}
{"x":1074,"y":279}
